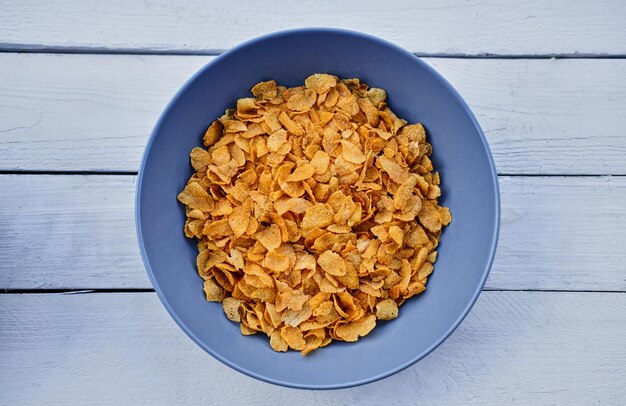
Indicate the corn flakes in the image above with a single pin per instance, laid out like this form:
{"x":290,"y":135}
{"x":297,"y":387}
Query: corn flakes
{"x":316,"y":211}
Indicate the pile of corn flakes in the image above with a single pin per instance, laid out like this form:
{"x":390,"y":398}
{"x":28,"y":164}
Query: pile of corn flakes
{"x":316,"y":211}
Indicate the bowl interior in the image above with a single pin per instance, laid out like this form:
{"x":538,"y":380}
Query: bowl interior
{"x":416,"y":93}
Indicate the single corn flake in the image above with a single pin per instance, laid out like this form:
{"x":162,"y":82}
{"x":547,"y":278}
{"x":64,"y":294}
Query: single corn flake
{"x":352,"y":331}
{"x":277,"y":342}
{"x":386,"y":309}
{"x":213,"y":133}
{"x":396,"y":172}
{"x":270,"y":237}
{"x":320,"y":82}
{"x":265,"y":90}
{"x":293,"y":337}
{"x":302,"y":101}
{"x":332,"y":263}
{"x":320,"y":162}
{"x":195,"y":197}
{"x":318,"y":216}
{"x":214,"y":292}
{"x":231,"y":309}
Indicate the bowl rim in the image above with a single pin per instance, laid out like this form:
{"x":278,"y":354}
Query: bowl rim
{"x":250,"y":43}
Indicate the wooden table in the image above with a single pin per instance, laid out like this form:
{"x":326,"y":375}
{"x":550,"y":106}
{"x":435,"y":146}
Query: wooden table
{"x":82,"y":84}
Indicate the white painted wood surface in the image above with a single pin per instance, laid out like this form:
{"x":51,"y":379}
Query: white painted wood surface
{"x":123,"y":349}
{"x":77,"y":232}
{"x":448,"y":27}
{"x":85,"y":101}
{"x":94,"y":112}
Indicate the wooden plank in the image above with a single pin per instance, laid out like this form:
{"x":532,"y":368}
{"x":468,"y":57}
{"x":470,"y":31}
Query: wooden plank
{"x":449,"y":27}
{"x":62,"y":231}
{"x":75,"y":232}
{"x":547,"y":116}
{"x":94,"y":112}
{"x":83,"y":112}
{"x":561,"y":233}
{"x":513,"y":348}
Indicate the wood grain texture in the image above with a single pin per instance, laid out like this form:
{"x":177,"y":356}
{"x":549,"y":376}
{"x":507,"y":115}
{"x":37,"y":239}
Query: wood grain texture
{"x":547,"y":116}
{"x":62,"y":231}
{"x":445,"y":27}
{"x":94,"y":112}
{"x":513,"y":348}
{"x":77,"y":232}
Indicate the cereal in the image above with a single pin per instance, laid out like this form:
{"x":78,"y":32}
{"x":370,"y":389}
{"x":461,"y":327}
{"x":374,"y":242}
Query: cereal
{"x":231,"y":309}
{"x":316,"y":212}
{"x":332,"y":263}
{"x":386,"y":309}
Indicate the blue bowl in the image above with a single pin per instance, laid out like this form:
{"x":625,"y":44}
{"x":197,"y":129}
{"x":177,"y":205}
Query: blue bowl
{"x":416,"y":93}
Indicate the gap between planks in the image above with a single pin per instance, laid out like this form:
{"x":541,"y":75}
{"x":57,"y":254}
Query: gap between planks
{"x":139,"y":290}
{"x":36,"y":49}
{"x":135,"y":173}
